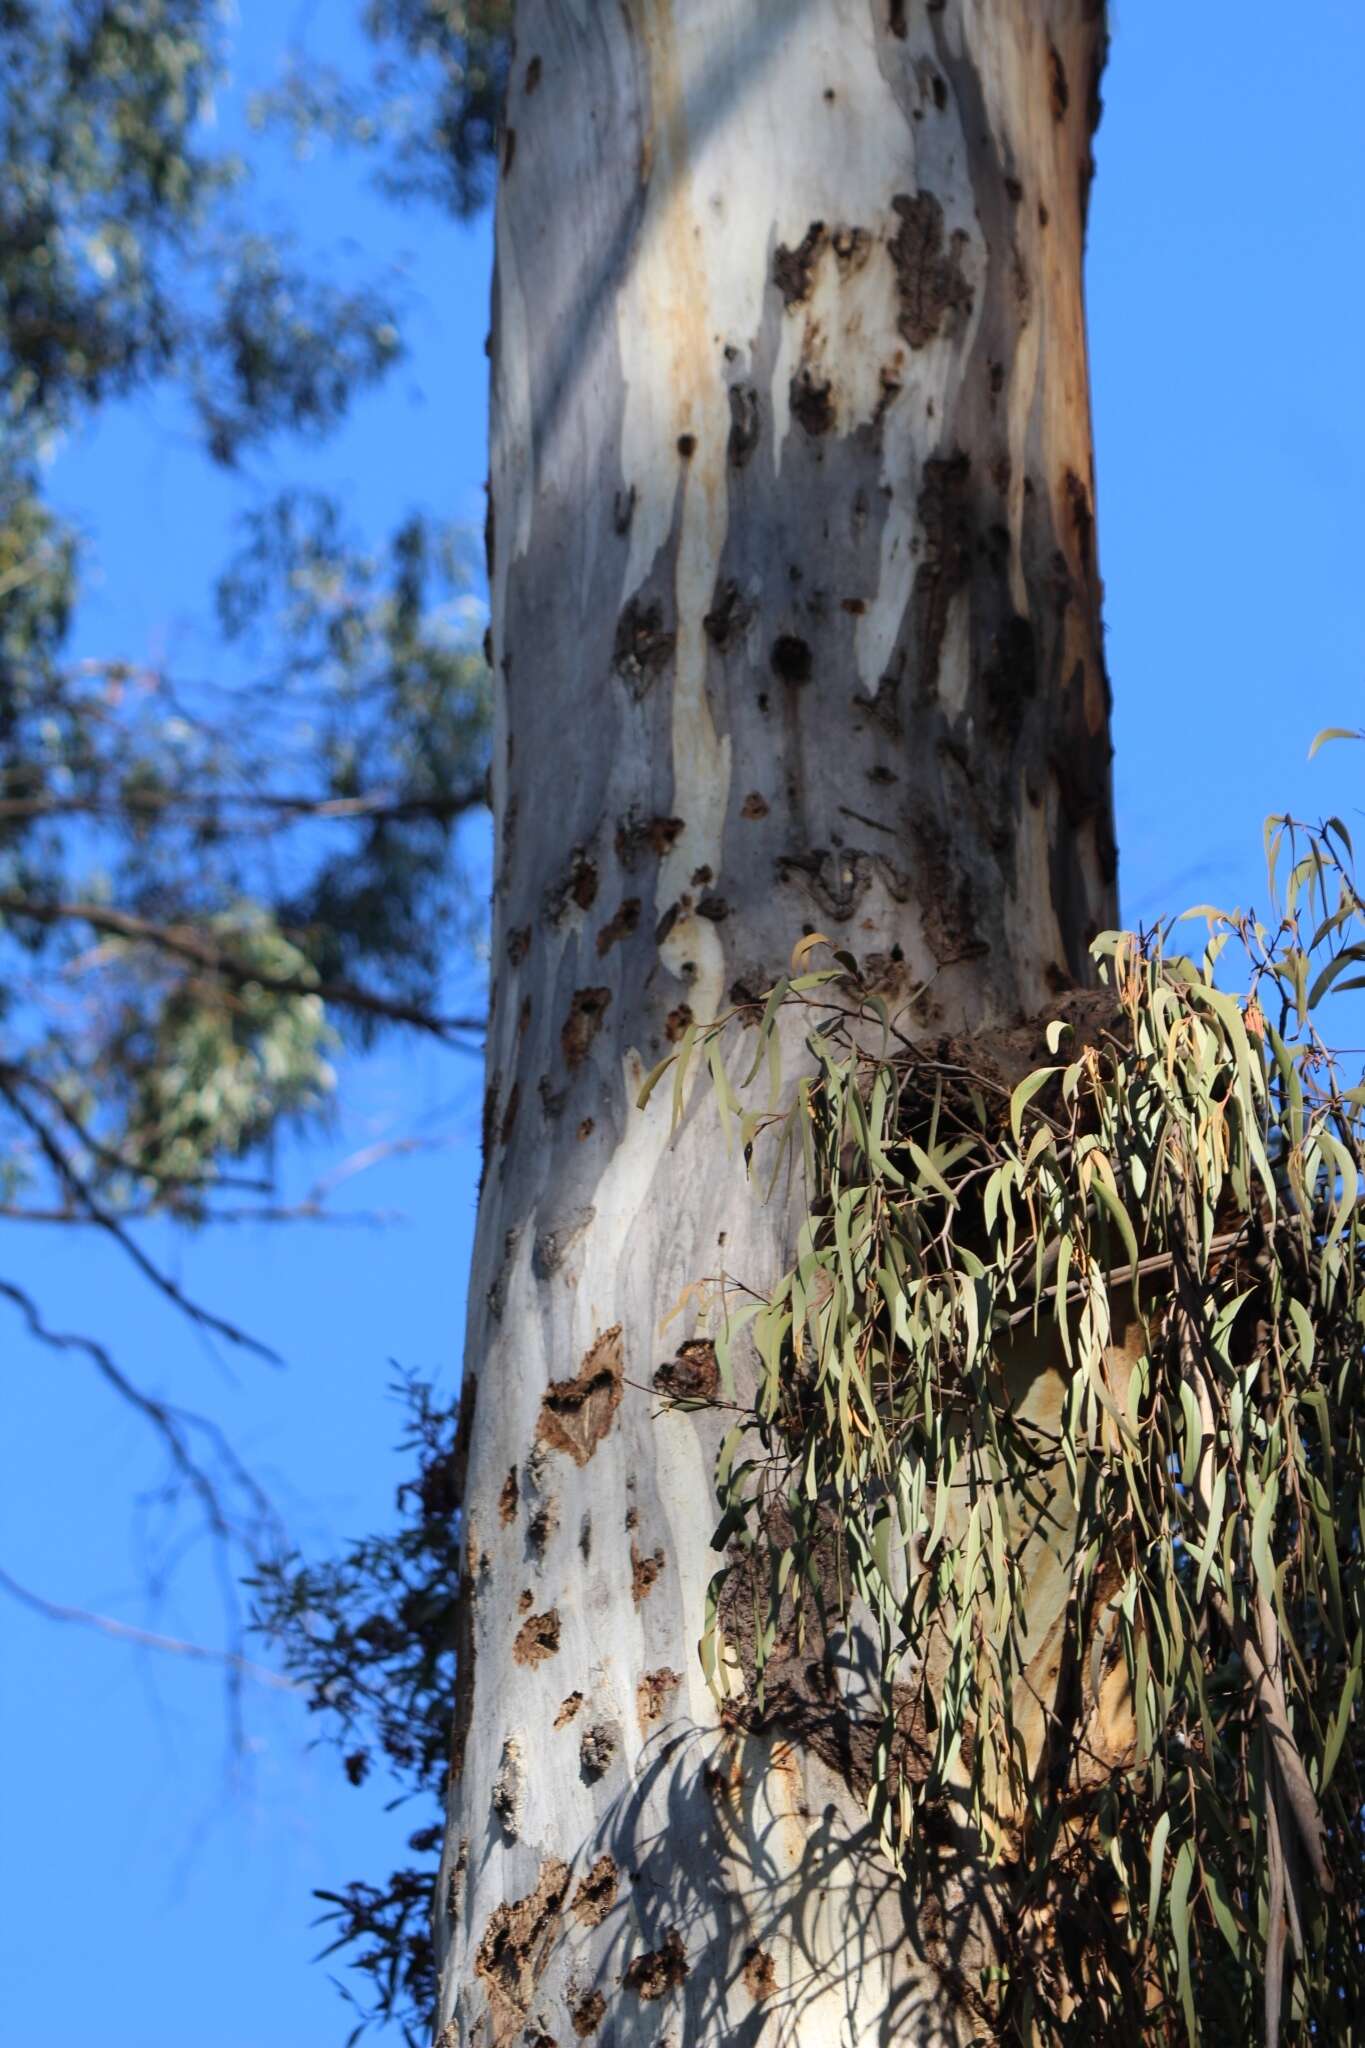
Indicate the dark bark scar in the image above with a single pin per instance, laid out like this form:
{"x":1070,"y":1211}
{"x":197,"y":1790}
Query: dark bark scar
{"x":576,"y":1414}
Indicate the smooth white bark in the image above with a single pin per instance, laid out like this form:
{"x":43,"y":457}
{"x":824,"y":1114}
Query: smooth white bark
{"x":796,"y":626}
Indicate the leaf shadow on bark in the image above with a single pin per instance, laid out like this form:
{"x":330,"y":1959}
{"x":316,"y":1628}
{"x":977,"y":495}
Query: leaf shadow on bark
{"x":781,"y":1910}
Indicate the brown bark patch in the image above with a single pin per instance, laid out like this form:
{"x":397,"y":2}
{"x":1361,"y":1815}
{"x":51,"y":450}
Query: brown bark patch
{"x":1059,"y":92}
{"x":643,"y":1572}
{"x":729,"y":615}
{"x":644,"y":645}
{"x":508,"y":1498}
{"x":933,"y":290}
{"x":519,"y":944}
{"x":576,"y":1414}
{"x":587,"y":2015}
{"x":626,"y":921}
{"x":577,"y":884}
{"x":652,"y":1694}
{"x":515,"y":1949}
{"x":596,"y":1749}
{"x":596,"y":1895}
{"x":542,"y":1527}
{"x":745,"y":424}
{"x":947,"y":899}
{"x":692,"y":1376}
{"x":794,"y":269}
{"x":537,"y":1639}
{"x":584,"y":1021}
{"x":945,"y":515}
{"x":662,"y":1970}
{"x":637,"y":837}
{"x":677,"y":1022}
{"x":755,"y":805}
{"x":812,"y":402}
{"x":760,"y":1975}
{"x":568,"y":1708}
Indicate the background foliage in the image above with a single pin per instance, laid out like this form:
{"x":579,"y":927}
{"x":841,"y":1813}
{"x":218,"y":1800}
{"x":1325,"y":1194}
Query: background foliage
{"x":213,"y":882}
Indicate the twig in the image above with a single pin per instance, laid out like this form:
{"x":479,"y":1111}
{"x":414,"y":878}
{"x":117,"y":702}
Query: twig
{"x":183,"y":943}
{"x":206,"y":1318}
{"x":147,"y":1639}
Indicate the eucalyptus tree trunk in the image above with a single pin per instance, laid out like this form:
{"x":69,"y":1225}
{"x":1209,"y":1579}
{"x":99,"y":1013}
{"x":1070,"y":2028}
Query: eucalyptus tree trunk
{"x":796,"y":627}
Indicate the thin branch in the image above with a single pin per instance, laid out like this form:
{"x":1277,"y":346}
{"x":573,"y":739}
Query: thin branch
{"x":173,"y":1425}
{"x":381,"y":806}
{"x":183,"y":943}
{"x":147,"y":1639}
{"x":84,"y":1195}
{"x":300,"y":1212}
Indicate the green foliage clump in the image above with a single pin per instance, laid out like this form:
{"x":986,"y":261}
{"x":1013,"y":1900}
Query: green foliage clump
{"x":1060,"y":1411}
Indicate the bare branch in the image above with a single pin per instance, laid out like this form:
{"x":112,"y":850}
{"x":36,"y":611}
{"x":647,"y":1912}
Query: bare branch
{"x":84,"y":1195}
{"x":377,"y":806}
{"x":147,"y":1639}
{"x":175,"y":1427}
{"x":182,"y":942}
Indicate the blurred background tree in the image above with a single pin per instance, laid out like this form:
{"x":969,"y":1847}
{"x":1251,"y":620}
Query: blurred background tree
{"x":212,"y":883}
{"x":207,"y":883}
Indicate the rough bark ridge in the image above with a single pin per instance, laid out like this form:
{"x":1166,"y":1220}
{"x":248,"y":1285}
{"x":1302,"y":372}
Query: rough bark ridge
{"x":796,"y":626}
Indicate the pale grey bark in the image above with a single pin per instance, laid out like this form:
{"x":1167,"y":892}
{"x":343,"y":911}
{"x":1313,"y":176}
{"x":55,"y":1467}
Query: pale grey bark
{"x":796,"y":626}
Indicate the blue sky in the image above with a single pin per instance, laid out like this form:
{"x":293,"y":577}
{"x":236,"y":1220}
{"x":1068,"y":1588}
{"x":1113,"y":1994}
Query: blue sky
{"x":155,"y":1897}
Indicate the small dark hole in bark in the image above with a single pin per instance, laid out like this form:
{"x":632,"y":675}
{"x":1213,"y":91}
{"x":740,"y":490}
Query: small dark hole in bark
{"x":792,"y":659}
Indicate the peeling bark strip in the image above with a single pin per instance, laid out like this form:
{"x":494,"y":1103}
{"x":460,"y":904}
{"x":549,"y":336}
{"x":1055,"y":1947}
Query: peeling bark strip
{"x":576,"y":1414}
{"x":514,"y":1949}
{"x":795,"y":626}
